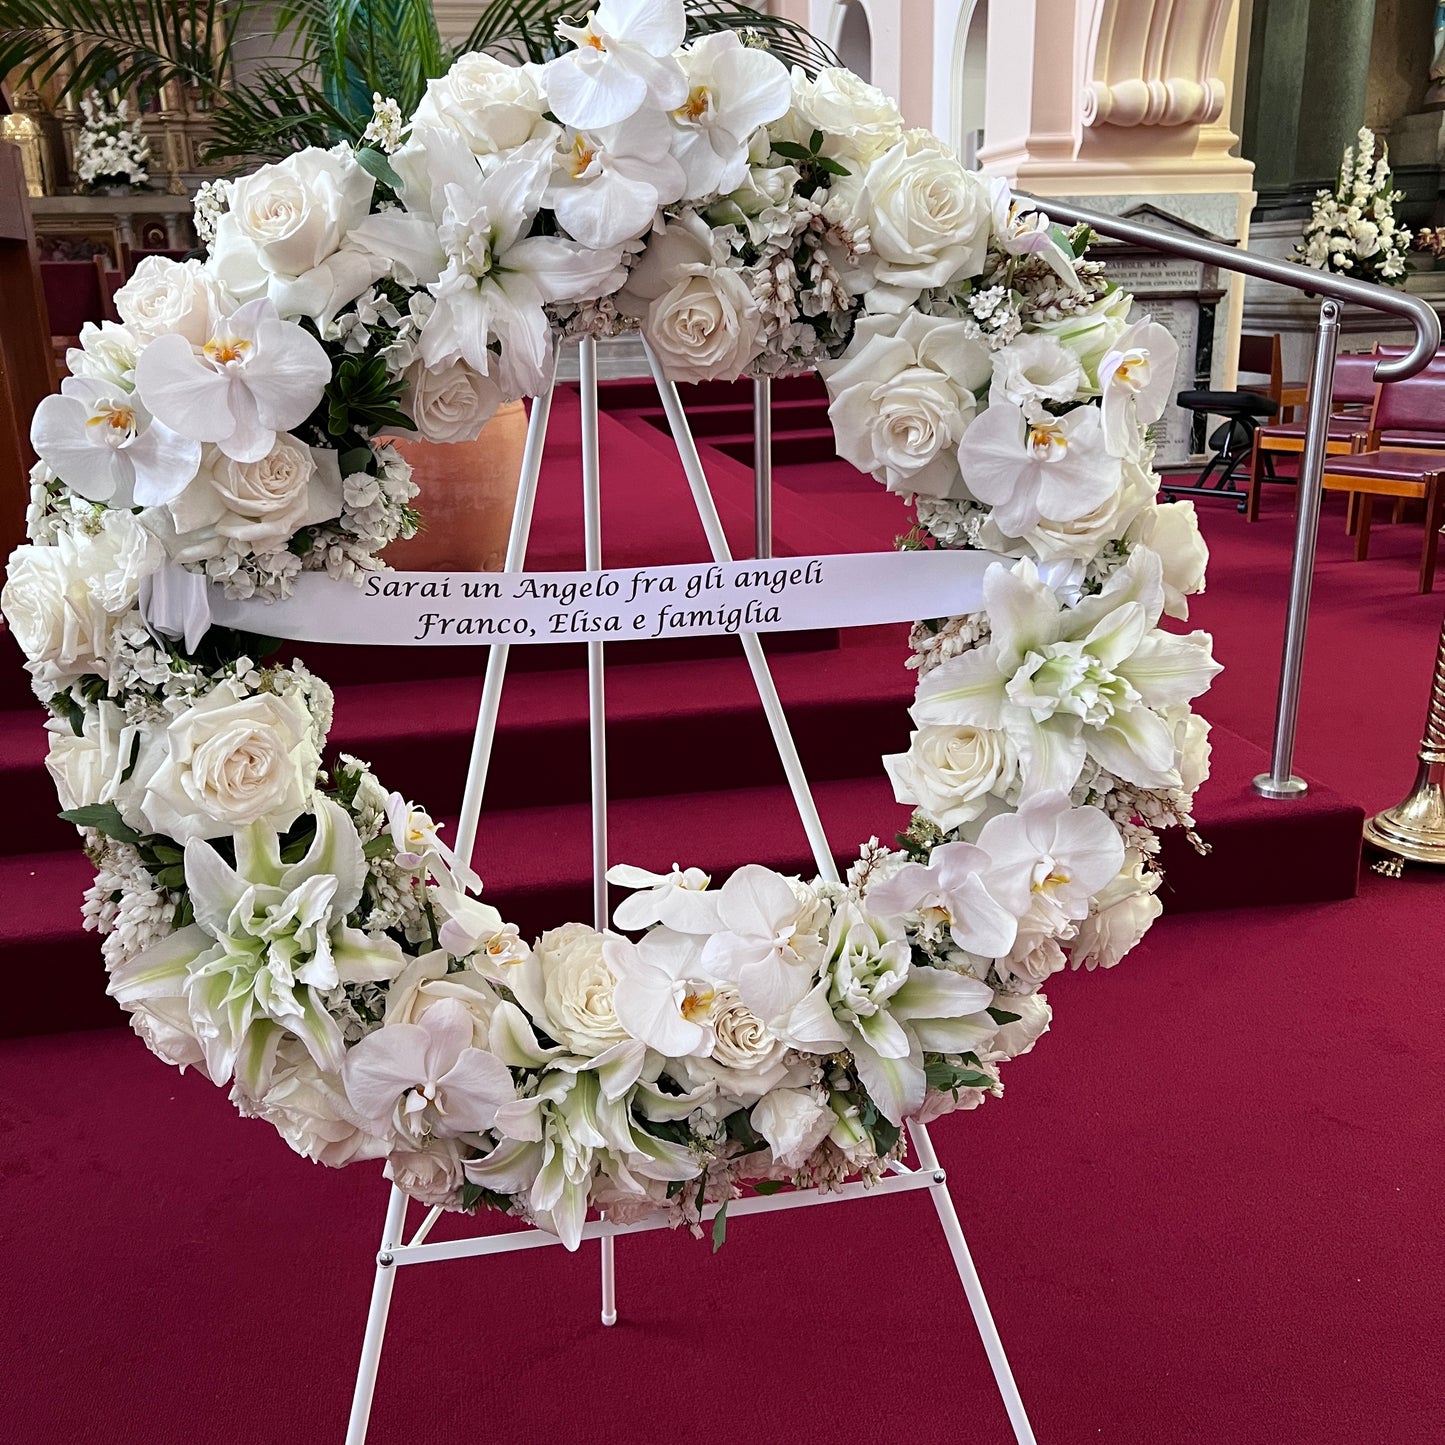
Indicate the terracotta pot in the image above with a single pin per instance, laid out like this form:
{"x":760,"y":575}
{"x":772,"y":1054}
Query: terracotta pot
{"x":468,"y":490}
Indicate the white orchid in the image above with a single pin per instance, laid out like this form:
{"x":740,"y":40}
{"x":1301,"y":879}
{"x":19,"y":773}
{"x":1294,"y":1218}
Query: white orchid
{"x":732,"y":89}
{"x":104,"y":444}
{"x":254,"y":376}
{"x":608,"y":183}
{"x":270,"y":940}
{"x":1029,"y":465}
{"x":419,"y":846}
{"x":951,"y":891}
{"x":680,"y":899}
{"x":769,"y":947}
{"x":1137,"y":380}
{"x":1064,"y":681}
{"x":496,"y":279}
{"x":623,"y":60}
{"x":663,"y":995}
{"x":888,"y":1013}
{"x":426,"y":1079}
{"x":1019,"y":230}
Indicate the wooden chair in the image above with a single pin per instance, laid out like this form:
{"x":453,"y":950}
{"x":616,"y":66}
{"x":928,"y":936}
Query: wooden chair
{"x":132,"y":256}
{"x":75,"y":292}
{"x":1415,"y":408}
{"x":25,"y":367}
{"x":1354,"y":392}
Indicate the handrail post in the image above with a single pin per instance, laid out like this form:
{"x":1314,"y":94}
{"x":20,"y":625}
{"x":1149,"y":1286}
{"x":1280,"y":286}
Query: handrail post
{"x":1280,"y":781}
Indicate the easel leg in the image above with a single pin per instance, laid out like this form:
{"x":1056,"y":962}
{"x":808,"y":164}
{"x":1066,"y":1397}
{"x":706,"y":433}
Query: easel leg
{"x":392,"y":1234}
{"x":752,"y":644}
{"x":972,"y":1286}
{"x":609,"y":1281}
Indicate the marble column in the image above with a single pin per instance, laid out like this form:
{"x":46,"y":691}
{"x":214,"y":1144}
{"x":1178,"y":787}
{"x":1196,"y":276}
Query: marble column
{"x":1332,"y":96}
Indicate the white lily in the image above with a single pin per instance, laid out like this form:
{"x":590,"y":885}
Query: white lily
{"x":255,"y":376}
{"x":103,"y":443}
{"x":623,"y":60}
{"x":269,"y":941}
{"x":680,"y":900}
{"x":664,"y":996}
{"x":1064,"y":681}
{"x":732,"y":89}
{"x":608,"y":183}
{"x":1137,"y":380}
{"x":426,"y":1080}
{"x":952,"y":891}
{"x":497,"y":279}
{"x":769,"y":947}
{"x":1029,"y":465}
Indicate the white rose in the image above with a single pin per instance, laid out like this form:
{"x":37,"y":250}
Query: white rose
{"x":747,"y":1061}
{"x":432,"y":1173}
{"x":706,"y":327}
{"x":1119,"y":916}
{"x":1191,"y":743}
{"x":106,"y":353}
{"x":902,"y":397}
{"x":63,"y":602}
{"x":310,"y":1110}
{"x":451,"y":403}
{"x":948,"y":773}
{"x":1171,"y":530}
{"x":1015,"y":1039}
{"x":425,"y":981}
{"x":794,"y":1122}
{"x":262,"y":503}
{"x":87,"y":768}
{"x":164,"y":1026}
{"x":165,"y":296}
{"x":1032,"y":367}
{"x":493,"y":106}
{"x":577,"y":989}
{"x":229,"y":760}
{"x":928,"y":218}
{"x":859,"y":122}
{"x":284,"y":235}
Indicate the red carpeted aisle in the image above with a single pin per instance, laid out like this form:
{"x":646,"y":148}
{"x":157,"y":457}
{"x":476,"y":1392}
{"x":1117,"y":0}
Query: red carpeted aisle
{"x":1207,"y":1211}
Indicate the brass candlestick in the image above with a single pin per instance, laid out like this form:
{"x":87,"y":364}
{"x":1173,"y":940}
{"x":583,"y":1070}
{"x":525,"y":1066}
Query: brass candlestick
{"x":1414,"y":831}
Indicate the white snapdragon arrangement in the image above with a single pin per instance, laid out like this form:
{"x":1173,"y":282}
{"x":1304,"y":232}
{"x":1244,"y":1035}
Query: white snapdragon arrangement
{"x":305,"y":937}
{"x":110,"y":149}
{"x":1352,"y":231}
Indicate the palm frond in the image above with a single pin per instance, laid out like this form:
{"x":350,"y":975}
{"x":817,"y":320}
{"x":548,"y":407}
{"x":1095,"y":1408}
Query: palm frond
{"x":119,"y":44}
{"x":278,"y":112}
{"x":792,"y":43}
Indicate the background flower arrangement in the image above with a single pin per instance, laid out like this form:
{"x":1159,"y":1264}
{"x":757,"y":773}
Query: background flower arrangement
{"x":110,"y":150}
{"x":304,"y":935}
{"x":1353,"y":231}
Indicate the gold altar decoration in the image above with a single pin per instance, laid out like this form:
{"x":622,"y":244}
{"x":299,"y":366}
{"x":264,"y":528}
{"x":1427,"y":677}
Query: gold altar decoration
{"x":1414,"y":831}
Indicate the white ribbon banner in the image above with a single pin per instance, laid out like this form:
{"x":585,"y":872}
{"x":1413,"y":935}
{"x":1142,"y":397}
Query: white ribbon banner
{"x":786,"y":594}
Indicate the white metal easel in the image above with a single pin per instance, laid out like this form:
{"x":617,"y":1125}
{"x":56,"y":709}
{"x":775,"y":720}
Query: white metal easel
{"x":396,"y":1249}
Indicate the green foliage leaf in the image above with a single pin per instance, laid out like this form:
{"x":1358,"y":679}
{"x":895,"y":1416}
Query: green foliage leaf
{"x":379,"y":847}
{"x":769,"y":1186}
{"x":104,"y":818}
{"x":375,"y":163}
{"x":1002,"y":1016}
{"x":720,"y":1227}
{"x":950,"y":1078}
{"x":792,"y":150}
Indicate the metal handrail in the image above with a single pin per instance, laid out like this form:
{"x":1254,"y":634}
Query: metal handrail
{"x":1280,"y":781}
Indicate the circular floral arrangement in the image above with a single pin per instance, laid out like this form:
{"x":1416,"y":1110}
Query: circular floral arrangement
{"x":304,"y":935}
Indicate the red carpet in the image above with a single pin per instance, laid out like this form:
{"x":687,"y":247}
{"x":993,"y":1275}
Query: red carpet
{"x":1208,"y":1210}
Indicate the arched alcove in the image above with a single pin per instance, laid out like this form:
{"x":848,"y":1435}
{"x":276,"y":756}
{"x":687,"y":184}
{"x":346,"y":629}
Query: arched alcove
{"x":970,"y":81}
{"x":855,"y":40}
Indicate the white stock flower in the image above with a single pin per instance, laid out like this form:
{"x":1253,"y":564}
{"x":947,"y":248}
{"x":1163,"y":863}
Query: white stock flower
{"x":254,"y":376}
{"x":949,"y":773}
{"x":608,"y":183}
{"x":493,"y":106}
{"x":65,"y":602}
{"x":903,"y":394}
{"x":285,"y":235}
{"x":1171,"y":531}
{"x":623,"y":59}
{"x":1136,"y":380}
{"x":1120,"y":915}
{"x":679,"y":900}
{"x":165,"y":296}
{"x":228,"y":761}
{"x":105,"y":446}
{"x":1030,"y":467}
{"x":269,"y":941}
{"x":261,"y":504}
{"x":732,"y":89}
{"x":1034,"y":368}
{"x":425,"y":1079}
{"x":1064,"y":681}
